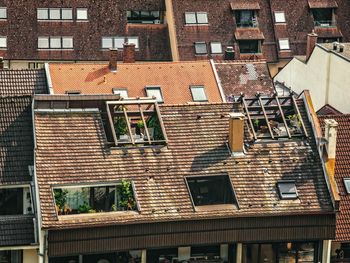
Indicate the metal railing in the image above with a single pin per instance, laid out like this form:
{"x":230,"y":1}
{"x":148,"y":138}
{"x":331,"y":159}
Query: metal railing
{"x":325,"y":23}
{"x":251,"y":23}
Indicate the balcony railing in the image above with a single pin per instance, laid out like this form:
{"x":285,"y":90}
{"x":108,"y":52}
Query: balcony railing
{"x":325,"y":23}
{"x":250,"y":23}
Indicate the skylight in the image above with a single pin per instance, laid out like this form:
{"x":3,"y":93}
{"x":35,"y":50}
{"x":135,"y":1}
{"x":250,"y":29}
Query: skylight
{"x":122,"y":92}
{"x":198,"y":94}
{"x":287,"y":190}
{"x":210,"y":190}
{"x":347,"y":185}
{"x":156,"y":93}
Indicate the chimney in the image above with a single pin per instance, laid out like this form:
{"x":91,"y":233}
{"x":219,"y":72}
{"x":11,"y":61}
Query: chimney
{"x":310,"y":44}
{"x":341,"y":48}
{"x":330,"y":132}
{"x":129,"y":53}
{"x":1,"y":63}
{"x":236,"y":133}
{"x":113,"y":57}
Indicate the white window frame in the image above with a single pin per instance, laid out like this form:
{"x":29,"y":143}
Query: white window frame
{"x":46,"y":39}
{"x":50,"y":39}
{"x":213,"y":48}
{"x":201,"y":43}
{"x":203,"y":15}
{"x":3,"y":42}
{"x":71,"y":44}
{"x":159,"y":97}
{"x":80,"y":11}
{"x":39,"y":14}
{"x":193,"y":18}
{"x":54,"y":11}
{"x":134,"y":40}
{"x":347,"y":185}
{"x":194,"y":98}
{"x":284,"y":44}
{"x":287,"y":195}
{"x":278,"y":17}
{"x":3,"y":10}
{"x":70,"y":13}
{"x":118,"y":42}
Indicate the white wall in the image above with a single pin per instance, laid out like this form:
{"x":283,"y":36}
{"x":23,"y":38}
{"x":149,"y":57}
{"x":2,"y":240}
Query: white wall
{"x":325,"y":75}
{"x":30,"y":256}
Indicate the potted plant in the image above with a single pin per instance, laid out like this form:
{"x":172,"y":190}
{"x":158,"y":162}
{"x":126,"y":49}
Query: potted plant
{"x":126,"y":196}
{"x":60,"y":200}
{"x":294,"y":120}
{"x":256,"y":124}
{"x":84,"y":208}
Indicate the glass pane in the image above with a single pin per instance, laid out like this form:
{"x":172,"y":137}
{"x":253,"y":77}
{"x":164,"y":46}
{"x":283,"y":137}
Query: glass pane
{"x":250,"y":253}
{"x":286,"y":253}
{"x":67,"y":42}
{"x":67,"y":14}
{"x":216,"y":47}
{"x":122,"y":92}
{"x":55,"y":13}
{"x":347,"y":184}
{"x":11,"y":201}
{"x":43,"y":42}
{"x":134,"y":40}
{"x":279,"y":17}
{"x":155,"y":92}
{"x":3,"y":13}
{"x":107,"y":42}
{"x":306,"y":252}
{"x":190,"y":18}
{"x":284,"y":44}
{"x":43,"y":13}
{"x":55,"y":42}
{"x":198,"y":93}
{"x":201,"y":48}
{"x":118,"y":42}
{"x":267,"y":254}
{"x":202,"y":18}
{"x":3,"y":42}
{"x":82,"y":13}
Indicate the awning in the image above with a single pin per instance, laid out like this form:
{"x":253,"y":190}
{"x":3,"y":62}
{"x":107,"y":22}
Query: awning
{"x":328,"y":32}
{"x":249,"y":34}
{"x":322,"y":4}
{"x":245,"y":5}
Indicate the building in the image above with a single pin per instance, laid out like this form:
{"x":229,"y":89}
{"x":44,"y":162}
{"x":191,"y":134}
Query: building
{"x":325,"y":72}
{"x":167,"y":29}
{"x":121,"y":179}
{"x":18,"y":221}
{"x":341,"y":245}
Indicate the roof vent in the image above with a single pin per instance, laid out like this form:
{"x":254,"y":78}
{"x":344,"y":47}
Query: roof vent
{"x":341,"y":48}
{"x":335,"y":46}
{"x":229,"y":53}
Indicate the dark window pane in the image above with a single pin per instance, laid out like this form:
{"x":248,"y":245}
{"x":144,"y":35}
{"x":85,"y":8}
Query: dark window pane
{"x":11,"y":201}
{"x":247,"y":46}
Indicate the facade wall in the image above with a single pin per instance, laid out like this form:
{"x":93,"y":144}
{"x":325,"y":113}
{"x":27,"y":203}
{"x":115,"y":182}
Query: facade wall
{"x":30,"y":256}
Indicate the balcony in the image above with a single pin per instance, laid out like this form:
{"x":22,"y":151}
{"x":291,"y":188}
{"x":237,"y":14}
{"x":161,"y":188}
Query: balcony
{"x":325,"y":23}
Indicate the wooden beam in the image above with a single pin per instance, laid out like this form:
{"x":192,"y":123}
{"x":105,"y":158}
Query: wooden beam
{"x":299,"y":116}
{"x":249,"y":119}
{"x":109,"y":116}
{"x":129,"y":126}
{"x":266,"y":118}
{"x":145,"y":125}
{"x":282,"y":115}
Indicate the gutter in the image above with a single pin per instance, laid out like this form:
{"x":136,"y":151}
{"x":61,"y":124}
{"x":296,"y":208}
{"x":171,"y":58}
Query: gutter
{"x":218,"y":81}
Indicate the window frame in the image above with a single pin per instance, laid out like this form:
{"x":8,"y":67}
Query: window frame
{"x":215,"y":43}
{"x":4,"y":9}
{"x":346,"y":182}
{"x":71,"y":13}
{"x":283,"y":40}
{"x":158,"y":88}
{"x":49,"y":38}
{"x":196,"y":19}
{"x":200,"y":43}
{"x":197,"y":87}
{"x":284,"y":195}
{"x":280,"y":13}
{"x":82,"y":9}
{"x":125,"y":38}
{"x":3,"y":38}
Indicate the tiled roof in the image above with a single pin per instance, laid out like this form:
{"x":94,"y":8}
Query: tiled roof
{"x":16,"y":230}
{"x":71,"y":148}
{"x":245,"y":5}
{"x":322,"y":4}
{"x":246,"y":77}
{"x":22,"y":82}
{"x":248,"y":34}
{"x":342,"y":170}
{"x":16,"y":139}
{"x":174,"y":78}
{"x":345,"y":53}
{"x":328,"y":110}
{"x":328,"y":32}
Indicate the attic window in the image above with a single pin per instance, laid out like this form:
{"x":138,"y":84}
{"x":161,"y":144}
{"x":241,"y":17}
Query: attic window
{"x":200,"y":48}
{"x":210,"y":190}
{"x":155,"y":92}
{"x":284,"y":43}
{"x":216,"y":47}
{"x":94,"y":198}
{"x":200,"y":18}
{"x":134,"y":123}
{"x":347,"y":185}
{"x":15,"y":201}
{"x":122,"y":92}
{"x":198,"y":94}
{"x":287,"y":190}
{"x":280,"y":17}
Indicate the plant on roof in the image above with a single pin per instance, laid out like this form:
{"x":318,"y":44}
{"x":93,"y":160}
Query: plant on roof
{"x":120,"y":124}
{"x":84,"y":208}
{"x":126,"y":196}
{"x":60,"y":198}
{"x":153,"y":122}
{"x":294,"y":120}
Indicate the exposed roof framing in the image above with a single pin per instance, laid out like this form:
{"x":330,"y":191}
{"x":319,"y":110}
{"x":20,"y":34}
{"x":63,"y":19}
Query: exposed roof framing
{"x":280,"y":117}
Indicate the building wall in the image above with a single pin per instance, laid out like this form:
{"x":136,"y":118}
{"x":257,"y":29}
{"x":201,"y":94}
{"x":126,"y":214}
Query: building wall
{"x":326,"y":75}
{"x":30,"y":256}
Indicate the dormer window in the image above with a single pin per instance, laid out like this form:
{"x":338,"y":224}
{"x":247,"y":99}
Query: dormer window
{"x":287,"y":190}
{"x":323,"y":17}
{"x":155,"y":92}
{"x":249,"y":46}
{"x":210,"y":190}
{"x":246,"y":18}
{"x":347,"y":185}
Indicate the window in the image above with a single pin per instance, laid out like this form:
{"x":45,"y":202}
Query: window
{"x":155,"y":92}
{"x":35,"y":65}
{"x":280,"y":17}
{"x":246,"y":18}
{"x":11,"y":256}
{"x":216,"y":47}
{"x":3,"y":42}
{"x":347,"y":185}
{"x":284,"y":44}
{"x":145,"y":17}
{"x":196,"y":18}
{"x":323,"y":17}
{"x":11,"y":201}
{"x":54,"y":13}
{"x":67,"y":13}
{"x":55,"y":42}
{"x":122,"y":92}
{"x":3,"y":12}
{"x":210,"y":190}
{"x":43,"y":13}
{"x":200,"y":48}
{"x":94,"y":199}
{"x":82,"y":14}
{"x":287,"y":190}
{"x":249,"y":46}
{"x":117,"y":42}
{"x":198,"y":94}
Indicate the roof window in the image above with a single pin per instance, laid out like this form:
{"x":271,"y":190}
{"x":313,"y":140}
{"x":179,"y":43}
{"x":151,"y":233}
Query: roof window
{"x":155,"y":92}
{"x":284,"y":43}
{"x":94,"y":198}
{"x":134,"y":123}
{"x":196,"y":18}
{"x":3,"y":12}
{"x":123,"y":92}
{"x":200,"y":48}
{"x":347,"y":185}
{"x":210,"y":190}
{"x":216,"y":47}
{"x":198,"y":94}
{"x":280,"y":17}
{"x":287,"y":190}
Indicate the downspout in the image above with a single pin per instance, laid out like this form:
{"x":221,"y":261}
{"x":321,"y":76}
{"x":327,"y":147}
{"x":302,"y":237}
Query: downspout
{"x":172,"y":29}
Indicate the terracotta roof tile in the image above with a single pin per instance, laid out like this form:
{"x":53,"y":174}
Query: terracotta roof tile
{"x":328,"y":110}
{"x":245,"y":5}
{"x":72,"y":149}
{"x":174,"y":78}
{"x":342,"y":170}
{"x":248,"y":34}
{"x":322,"y":4}
{"x":328,"y":32}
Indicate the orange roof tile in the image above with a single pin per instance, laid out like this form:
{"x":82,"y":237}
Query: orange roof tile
{"x":174,"y":78}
